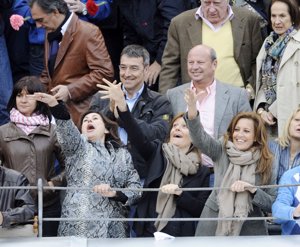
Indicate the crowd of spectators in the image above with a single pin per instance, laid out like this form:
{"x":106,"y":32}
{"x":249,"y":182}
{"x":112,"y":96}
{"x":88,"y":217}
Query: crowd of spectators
{"x":119,"y":95}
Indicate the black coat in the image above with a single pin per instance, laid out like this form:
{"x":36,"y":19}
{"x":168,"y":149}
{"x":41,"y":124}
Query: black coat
{"x":188,"y":204}
{"x":4,"y":5}
{"x":16,"y":205}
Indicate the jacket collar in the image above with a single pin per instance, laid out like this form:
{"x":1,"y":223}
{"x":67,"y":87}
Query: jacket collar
{"x":66,"y":40}
{"x":13,"y":132}
{"x":2,"y":175}
{"x":292,"y":46}
{"x":238,"y":30}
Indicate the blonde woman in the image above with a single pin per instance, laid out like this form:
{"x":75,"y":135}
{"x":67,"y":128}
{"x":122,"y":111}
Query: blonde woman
{"x":286,"y":148}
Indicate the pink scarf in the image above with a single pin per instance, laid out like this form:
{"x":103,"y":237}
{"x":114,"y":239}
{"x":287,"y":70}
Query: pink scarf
{"x":27,"y":124}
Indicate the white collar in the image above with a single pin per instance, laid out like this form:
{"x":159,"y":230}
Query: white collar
{"x":65,"y":26}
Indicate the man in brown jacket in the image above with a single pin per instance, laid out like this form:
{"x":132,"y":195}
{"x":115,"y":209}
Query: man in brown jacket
{"x":76,"y":58}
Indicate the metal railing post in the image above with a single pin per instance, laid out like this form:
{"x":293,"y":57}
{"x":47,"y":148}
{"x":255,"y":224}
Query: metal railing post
{"x":40,"y":207}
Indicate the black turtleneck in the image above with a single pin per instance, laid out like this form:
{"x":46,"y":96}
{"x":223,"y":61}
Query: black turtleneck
{"x":57,"y":35}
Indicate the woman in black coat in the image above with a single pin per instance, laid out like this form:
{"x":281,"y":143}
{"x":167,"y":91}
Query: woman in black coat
{"x":166,"y":173}
{"x":170,"y":166}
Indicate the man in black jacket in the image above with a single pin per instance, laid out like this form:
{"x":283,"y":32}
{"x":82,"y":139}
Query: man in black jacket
{"x":150,"y":109}
{"x":16,"y":205}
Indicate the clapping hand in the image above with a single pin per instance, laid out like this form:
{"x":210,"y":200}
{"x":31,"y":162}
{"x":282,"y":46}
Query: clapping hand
{"x":113,"y":92}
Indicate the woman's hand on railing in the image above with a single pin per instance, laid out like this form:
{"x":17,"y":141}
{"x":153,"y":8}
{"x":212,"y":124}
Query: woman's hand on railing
{"x":241,"y":186}
{"x":104,"y":190}
{"x":171,"y":189}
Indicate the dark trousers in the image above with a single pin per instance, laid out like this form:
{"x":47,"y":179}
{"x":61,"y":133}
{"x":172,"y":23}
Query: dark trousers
{"x":50,"y":227}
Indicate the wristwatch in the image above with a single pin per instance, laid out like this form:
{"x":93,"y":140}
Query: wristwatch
{"x":84,"y":10}
{"x":260,"y":111}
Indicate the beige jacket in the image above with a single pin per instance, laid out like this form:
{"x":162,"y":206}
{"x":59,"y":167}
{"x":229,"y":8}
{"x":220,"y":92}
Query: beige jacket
{"x":288,"y":82}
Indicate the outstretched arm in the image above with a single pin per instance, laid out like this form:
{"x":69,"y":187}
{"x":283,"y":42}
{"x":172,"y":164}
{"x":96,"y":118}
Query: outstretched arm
{"x":68,"y":134}
{"x":207,"y":144}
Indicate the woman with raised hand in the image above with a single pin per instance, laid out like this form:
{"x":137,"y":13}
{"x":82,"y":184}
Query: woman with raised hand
{"x":278,"y":73}
{"x":171,"y":165}
{"x":28,"y":144}
{"x":242,"y":160}
{"x":95,"y":159}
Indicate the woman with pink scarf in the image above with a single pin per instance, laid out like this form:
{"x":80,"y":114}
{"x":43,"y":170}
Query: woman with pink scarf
{"x":29,"y":145}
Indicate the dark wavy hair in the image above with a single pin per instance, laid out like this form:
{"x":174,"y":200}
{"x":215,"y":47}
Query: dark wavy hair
{"x":31,"y":84}
{"x":112,"y":136}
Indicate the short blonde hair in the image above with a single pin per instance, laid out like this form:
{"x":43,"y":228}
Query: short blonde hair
{"x":285,"y":138}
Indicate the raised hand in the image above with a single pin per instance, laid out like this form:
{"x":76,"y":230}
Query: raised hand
{"x":114,"y":92}
{"x":45,"y":98}
{"x":190,"y":98}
